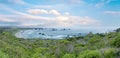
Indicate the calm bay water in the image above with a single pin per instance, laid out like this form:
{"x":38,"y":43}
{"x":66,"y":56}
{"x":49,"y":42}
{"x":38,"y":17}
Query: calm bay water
{"x":48,"y":34}
{"x":51,"y":33}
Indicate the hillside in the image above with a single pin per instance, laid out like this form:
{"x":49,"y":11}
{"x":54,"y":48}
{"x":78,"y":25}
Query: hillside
{"x":106,"y":45}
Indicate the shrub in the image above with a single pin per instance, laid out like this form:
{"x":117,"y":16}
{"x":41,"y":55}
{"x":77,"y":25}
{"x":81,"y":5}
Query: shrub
{"x":69,"y":56}
{"x":38,"y":55}
{"x":90,"y":54}
{"x":110,"y":53}
{"x":3,"y":55}
{"x":115,"y":42}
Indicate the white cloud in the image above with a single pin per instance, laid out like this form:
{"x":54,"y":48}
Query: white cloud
{"x":43,"y":11}
{"x":89,"y":21}
{"x":4,"y":19}
{"x":112,"y":12}
{"x":57,"y":21}
{"x":67,"y":13}
{"x":37,"y":11}
{"x":78,"y":21}
{"x":60,"y":20}
{"x":54,"y":12}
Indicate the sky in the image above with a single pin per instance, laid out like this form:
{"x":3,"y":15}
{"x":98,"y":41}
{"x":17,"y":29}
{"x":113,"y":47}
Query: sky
{"x":101,"y":14}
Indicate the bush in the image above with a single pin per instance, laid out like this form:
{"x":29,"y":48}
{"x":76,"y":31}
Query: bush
{"x":90,"y":54}
{"x":3,"y":55}
{"x":94,"y":40}
{"x":38,"y":55}
{"x":69,"y":56}
{"x":115,"y":42}
{"x":110,"y":53}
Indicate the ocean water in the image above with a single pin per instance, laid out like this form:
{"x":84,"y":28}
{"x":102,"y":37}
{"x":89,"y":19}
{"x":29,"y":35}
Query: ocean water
{"x":48,"y":33}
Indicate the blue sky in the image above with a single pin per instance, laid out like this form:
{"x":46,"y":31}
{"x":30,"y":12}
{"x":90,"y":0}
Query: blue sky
{"x":60,"y":13}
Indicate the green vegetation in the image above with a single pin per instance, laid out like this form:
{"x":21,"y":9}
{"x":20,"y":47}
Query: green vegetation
{"x":90,"y":54}
{"x":105,"y":45}
{"x":110,"y":53}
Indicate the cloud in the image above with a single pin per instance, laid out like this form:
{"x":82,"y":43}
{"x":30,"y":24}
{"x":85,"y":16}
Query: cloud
{"x":103,"y":2}
{"x":63,"y":7}
{"x":3,"y":19}
{"x":23,"y":20}
{"x":59,"y":20}
{"x":89,"y":21}
{"x":54,"y":12}
{"x":43,"y":11}
{"x":68,"y":20}
{"x":78,"y":21}
{"x":112,"y":13}
{"x":37,"y":11}
{"x":67,"y":13}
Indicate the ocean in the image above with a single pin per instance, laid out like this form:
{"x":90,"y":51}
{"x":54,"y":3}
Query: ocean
{"x":48,"y":33}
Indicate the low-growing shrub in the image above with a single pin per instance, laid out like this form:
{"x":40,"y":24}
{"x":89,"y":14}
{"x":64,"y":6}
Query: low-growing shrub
{"x":110,"y":53}
{"x":69,"y":56}
{"x":115,"y":42}
{"x":90,"y":54}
